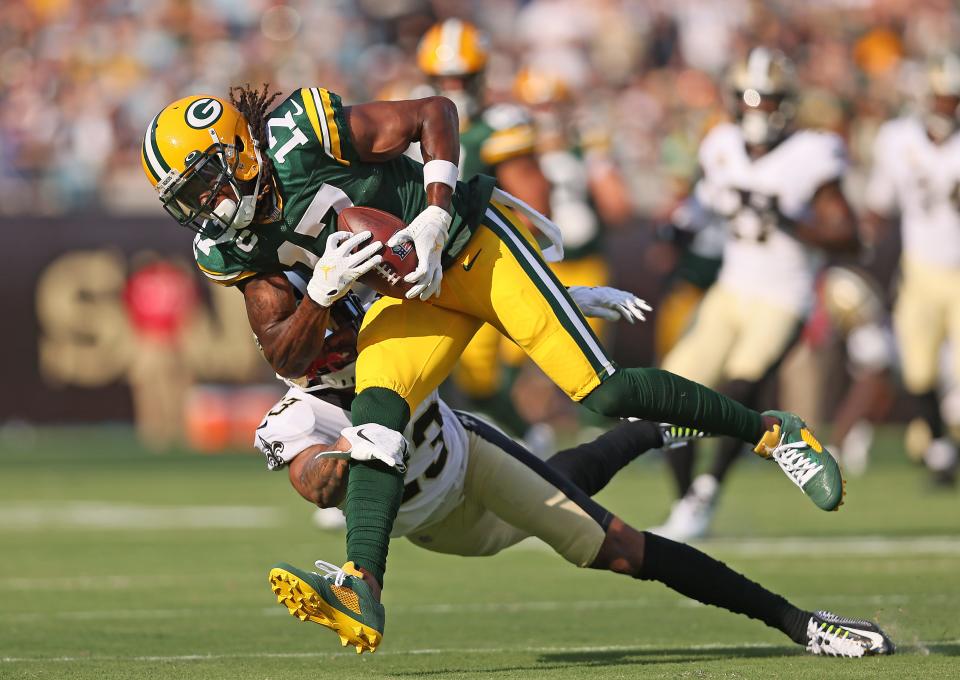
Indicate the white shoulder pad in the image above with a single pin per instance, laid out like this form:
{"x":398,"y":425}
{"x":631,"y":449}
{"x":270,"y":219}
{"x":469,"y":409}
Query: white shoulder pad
{"x":891,"y":138}
{"x":288,"y":428}
{"x":505,"y":116}
{"x":722,"y":139}
{"x":813,"y":158}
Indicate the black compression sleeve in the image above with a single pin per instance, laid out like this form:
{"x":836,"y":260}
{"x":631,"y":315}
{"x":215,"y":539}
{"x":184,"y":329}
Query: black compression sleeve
{"x":592,"y":465}
{"x":699,"y":576}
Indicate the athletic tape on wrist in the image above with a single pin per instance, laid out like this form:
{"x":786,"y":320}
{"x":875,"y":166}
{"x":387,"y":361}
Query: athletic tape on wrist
{"x":441,"y":171}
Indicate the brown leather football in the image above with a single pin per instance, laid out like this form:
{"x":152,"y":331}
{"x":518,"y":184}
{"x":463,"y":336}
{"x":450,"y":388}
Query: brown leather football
{"x":387,"y":277}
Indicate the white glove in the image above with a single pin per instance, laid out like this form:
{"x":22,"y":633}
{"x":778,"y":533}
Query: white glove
{"x":376,"y":442}
{"x":338,"y":268}
{"x":428,"y":233}
{"x":609,"y":303}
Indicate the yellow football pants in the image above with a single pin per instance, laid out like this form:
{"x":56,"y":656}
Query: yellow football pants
{"x":675,"y":313}
{"x":410,"y":346}
{"x":478,"y":372}
{"x":926,"y":314}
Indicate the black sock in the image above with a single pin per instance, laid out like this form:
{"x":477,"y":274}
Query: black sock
{"x":928,"y":408}
{"x":592,"y":465}
{"x":700,"y":577}
{"x":744,"y":391}
{"x":680,"y":462}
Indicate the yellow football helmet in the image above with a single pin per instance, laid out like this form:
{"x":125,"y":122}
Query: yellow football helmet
{"x":452,"y":48}
{"x":200,"y":154}
{"x":534,"y":88}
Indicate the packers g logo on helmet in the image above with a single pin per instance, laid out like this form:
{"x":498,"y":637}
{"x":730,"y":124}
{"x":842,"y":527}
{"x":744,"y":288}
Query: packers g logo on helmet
{"x":203,"y":113}
{"x":200,"y":155}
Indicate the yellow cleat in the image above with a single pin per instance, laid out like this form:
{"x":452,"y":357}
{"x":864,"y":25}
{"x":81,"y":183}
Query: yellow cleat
{"x":338,"y":600}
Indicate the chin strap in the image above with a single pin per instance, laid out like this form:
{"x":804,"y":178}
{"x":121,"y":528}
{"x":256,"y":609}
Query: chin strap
{"x":242,"y":215}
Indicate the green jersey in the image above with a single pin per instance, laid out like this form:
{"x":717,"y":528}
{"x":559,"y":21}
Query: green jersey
{"x":498,"y":134}
{"x":318,"y":173}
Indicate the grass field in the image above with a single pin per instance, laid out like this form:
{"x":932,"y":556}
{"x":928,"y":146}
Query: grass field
{"x":121,"y":564}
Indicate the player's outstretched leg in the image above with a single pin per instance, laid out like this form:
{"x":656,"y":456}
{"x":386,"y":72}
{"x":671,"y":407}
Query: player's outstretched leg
{"x":777,"y":435}
{"x":523,"y":288}
{"x":339,"y":599}
{"x":692,"y":573}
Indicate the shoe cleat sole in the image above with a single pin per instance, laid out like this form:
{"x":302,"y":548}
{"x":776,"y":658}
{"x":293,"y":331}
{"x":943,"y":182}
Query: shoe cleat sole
{"x":305,"y":603}
{"x":843,"y":494}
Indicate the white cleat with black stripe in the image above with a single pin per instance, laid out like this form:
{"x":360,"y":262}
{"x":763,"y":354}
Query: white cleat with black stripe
{"x":832,"y":635}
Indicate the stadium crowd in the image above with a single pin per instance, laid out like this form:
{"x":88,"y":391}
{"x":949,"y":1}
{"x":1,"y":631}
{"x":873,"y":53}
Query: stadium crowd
{"x":81,"y":78}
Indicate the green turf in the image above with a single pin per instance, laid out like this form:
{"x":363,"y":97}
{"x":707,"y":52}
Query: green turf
{"x":119,"y":563}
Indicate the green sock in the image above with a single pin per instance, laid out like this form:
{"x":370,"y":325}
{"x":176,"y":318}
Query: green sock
{"x":660,"y":396}
{"x":374,"y":490}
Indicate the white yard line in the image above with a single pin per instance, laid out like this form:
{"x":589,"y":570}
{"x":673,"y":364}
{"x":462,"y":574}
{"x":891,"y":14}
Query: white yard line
{"x":813,"y":547}
{"x":843,"y":545}
{"x":97,"y":515}
{"x":585,"y":649}
{"x":456,"y":608}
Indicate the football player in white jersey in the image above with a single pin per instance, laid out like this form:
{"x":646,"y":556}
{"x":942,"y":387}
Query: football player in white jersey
{"x":916,"y":175}
{"x":777,"y":189}
{"x":471,"y":490}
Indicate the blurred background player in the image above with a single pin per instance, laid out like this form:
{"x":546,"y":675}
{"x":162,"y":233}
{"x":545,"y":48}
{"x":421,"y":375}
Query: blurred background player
{"x":697,"y":236}
{"x":496,"y":140}
{"x":916,"y":176}
{"x":778,"y":191}
{"x":855,"y":305}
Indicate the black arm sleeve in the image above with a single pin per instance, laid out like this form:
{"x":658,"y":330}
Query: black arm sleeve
{"x":591,"y":466}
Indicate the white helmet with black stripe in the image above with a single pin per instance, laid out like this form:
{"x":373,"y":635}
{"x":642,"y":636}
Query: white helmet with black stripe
{"x":942,"y":110}
{"x":764,"y":91}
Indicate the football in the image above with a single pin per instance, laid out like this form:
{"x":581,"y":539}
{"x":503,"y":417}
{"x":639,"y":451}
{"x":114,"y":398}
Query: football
{"x":387,"y":277}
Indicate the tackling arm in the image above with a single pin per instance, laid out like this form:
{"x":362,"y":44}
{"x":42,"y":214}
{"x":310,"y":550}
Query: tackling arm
{"x":291,"y":335}
{"x":320,"y":479}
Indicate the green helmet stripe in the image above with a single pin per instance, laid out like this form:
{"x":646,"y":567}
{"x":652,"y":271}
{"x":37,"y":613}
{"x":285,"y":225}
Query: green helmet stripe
{"x":148,"y":164}
{"x":158,"y":166}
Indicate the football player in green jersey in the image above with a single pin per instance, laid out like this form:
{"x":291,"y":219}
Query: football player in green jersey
{"x":497,"y":140}
{"x":263,"y":185}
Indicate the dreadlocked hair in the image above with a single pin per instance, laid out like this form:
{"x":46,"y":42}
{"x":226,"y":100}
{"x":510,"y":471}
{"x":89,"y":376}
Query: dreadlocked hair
{"x":254,"y":105}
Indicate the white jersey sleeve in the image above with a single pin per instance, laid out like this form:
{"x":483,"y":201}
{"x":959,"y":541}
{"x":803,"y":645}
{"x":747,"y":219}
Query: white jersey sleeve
{"x":816,"y":158}
{"x":299,"y":420}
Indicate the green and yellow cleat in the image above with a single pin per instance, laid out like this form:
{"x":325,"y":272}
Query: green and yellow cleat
{"x":804,"y":460}
{"x":339,"y":600}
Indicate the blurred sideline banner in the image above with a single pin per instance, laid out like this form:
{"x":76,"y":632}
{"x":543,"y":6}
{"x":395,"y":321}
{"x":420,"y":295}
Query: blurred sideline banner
{"x":69,"y":348}
{"x":68,"y":345}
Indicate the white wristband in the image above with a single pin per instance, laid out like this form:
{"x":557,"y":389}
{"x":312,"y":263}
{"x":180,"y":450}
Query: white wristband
{"x":444,"y":172}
